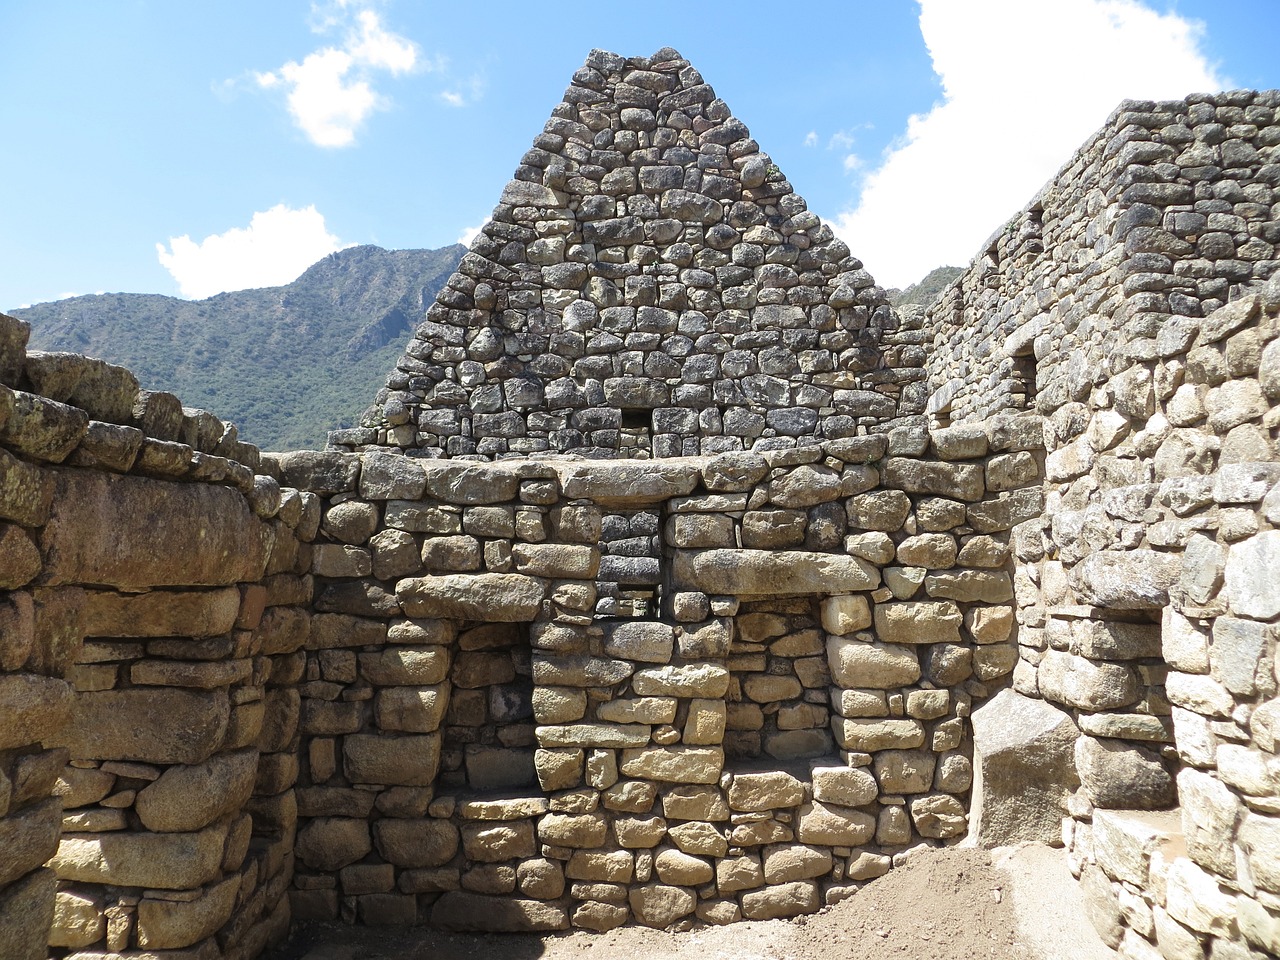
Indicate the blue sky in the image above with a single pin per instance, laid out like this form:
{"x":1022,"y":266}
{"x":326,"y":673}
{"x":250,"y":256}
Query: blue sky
{"x":191,"y":147}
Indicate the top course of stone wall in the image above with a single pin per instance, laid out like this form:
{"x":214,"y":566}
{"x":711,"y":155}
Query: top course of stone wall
{"x":649,"y":285}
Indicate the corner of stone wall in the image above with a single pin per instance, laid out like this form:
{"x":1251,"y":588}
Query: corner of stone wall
{"x":152,"y":598}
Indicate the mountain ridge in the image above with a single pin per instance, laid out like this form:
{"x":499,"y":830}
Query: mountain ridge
{"x":286,"y":364}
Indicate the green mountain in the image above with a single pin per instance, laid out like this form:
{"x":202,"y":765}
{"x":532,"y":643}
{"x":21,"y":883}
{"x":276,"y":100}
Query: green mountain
{"x":925,"y":291}
{"x":285,"y":364}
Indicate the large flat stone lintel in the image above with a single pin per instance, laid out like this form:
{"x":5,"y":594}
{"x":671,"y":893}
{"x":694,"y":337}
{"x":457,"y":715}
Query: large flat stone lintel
{"x":491,"y":597}
{"x":772,"y":573}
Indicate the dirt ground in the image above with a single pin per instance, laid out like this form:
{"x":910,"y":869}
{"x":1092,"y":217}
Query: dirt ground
{"x":956,"y":904}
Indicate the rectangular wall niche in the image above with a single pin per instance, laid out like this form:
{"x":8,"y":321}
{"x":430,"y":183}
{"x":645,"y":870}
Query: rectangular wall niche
{"x":488,"y":729}
{"x":779,"y":686}
{"x":635,"y":432}
{"x":629,"y":583}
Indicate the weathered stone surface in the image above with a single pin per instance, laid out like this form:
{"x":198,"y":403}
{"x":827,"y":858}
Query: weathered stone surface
{"x":1087,"y":684}
{"x":165,"y":861}
{"x":151,"y":725}
{"x":186,"y":798}
{"x":846,"y":614}
{"x":1129,"y":580}
{"x":673,"y":764}
{"x":924,"y":621}
{"x":503,"y":597}
{"x":133,"y":532}
{"x":659,"y":905}
{"x":36,"y":709}
{"x":169,"y":924}
{"x":405,"y":665}
{"x":78,"y":920}
{"x":870,"y":734}
{"x":963,"y":481}
{"x":1117,"y":775}
{"x":783,"y":900}
{"x":418,"y":709}
{"x":856,"y":663}
{"x":825,"y":824}
{"x":160,"y":613}
{"x":26,"y":491}
{"x":1024,"y":769}
{"x":765,"y":791}
{"x":411,"y":761}
{"x":938,"y":816}
{"x":475,"y":913}
{"x":844,"y":786}
{"x":416,"y":843}
{"x":771,"y":573}
{"x":1249,"y":588}
{"x":687,"y":680}
{"x":26,"y":910}
{"x":628,"y":485}
{"x":28,"y":837}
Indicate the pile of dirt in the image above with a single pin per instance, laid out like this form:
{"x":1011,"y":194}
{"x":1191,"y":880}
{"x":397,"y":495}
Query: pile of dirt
{"x":954,"y":904}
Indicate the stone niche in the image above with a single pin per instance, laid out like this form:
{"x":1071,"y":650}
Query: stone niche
{"x":779,"y":691}
{"x":488,"y":725}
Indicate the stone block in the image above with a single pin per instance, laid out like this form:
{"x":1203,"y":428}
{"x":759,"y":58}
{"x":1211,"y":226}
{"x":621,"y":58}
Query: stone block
{"x":408,"y":760}
{"x":1121,"y":776}
{"x":78,"y":920}
{"x":164,"y":861}
{"x":26,"y":910}
{"x":194,"y":534}
{"x":771,"y":573}
{"x":857,"y":663}
{"x":150,"y":725}
{"x":673,"y":764}
{"x":660,"y":905}
{"x":829,"y":825}
{"x":502,"y":597}
{"x":1087,"y":684}
{"x":415,"y":843}
{"x":925,"y":621}
{"x":36,"y":709}
{"x":1025,"y":770}
{"x":169,"y":924}
{"x":187,"y":798}
{"x":461,"y":911}
{"x":1128,"y":580}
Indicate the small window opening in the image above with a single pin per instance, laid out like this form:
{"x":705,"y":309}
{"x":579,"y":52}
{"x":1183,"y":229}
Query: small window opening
{"x":635,"y":432}
{"x":1023,"y":386}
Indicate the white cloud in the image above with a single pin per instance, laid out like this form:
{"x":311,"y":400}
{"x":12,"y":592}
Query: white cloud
{"x":331,"y":92}
{"x":1024,"y":84}
{"x":811,"y":138}
{"x":852,"y":162}
{"x":274,"y":249}
{"x":469,"y":234}
{"x":464,"y":93}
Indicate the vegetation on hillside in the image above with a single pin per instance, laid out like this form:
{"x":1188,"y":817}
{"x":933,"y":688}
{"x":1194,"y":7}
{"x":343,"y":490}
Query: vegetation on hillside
{"x":285,"y":364}
{"x":927,"y":290}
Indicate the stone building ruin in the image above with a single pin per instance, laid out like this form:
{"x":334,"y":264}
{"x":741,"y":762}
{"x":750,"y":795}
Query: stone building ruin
{"x":676,"y":575}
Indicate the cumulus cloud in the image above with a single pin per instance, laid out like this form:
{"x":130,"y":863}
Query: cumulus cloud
{"x":468,"y":234}
{"x":1024,"y":84}
{"x":811,"y":138}
{"x":331,"y":92}
{"x":274,"y":249}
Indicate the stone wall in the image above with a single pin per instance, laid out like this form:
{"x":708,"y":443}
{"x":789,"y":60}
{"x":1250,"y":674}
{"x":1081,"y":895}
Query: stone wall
{"x":151,"y":601}
{"x":1118,"y":304}
{"x":1146,"y":228}
{"x":484,"y":751}
{"x":649,"y":285}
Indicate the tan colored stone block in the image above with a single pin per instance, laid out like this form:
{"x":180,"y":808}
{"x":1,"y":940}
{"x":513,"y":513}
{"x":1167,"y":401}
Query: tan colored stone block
{"x":845,"y":614}
{"x":409,"y":760}
{"x":187,"y":798}
{"x":765,"y":791}
{"x":165,"y":861}
{"x":416,"y":843}
{"x":834,"y":826}
{"x":197,"y":534}
{"x":673,"y":764}
{"x":784,"y":900}
{"x":169,"y":924}
{"x":156,"y":725}
{"x":660,"y":905}
{"x":78,"y":919}
{"x":36,"y":709}
{"x":705,"y":724}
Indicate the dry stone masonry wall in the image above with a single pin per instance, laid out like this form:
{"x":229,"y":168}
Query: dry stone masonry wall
{"x":152,"y":603}
{"x":649,"y":285}
{"x":1001,"y":569}
{"x":485,"y":752}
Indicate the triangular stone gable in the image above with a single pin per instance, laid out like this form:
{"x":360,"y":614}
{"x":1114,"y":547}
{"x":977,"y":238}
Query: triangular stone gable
{"x":649,"y":284}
